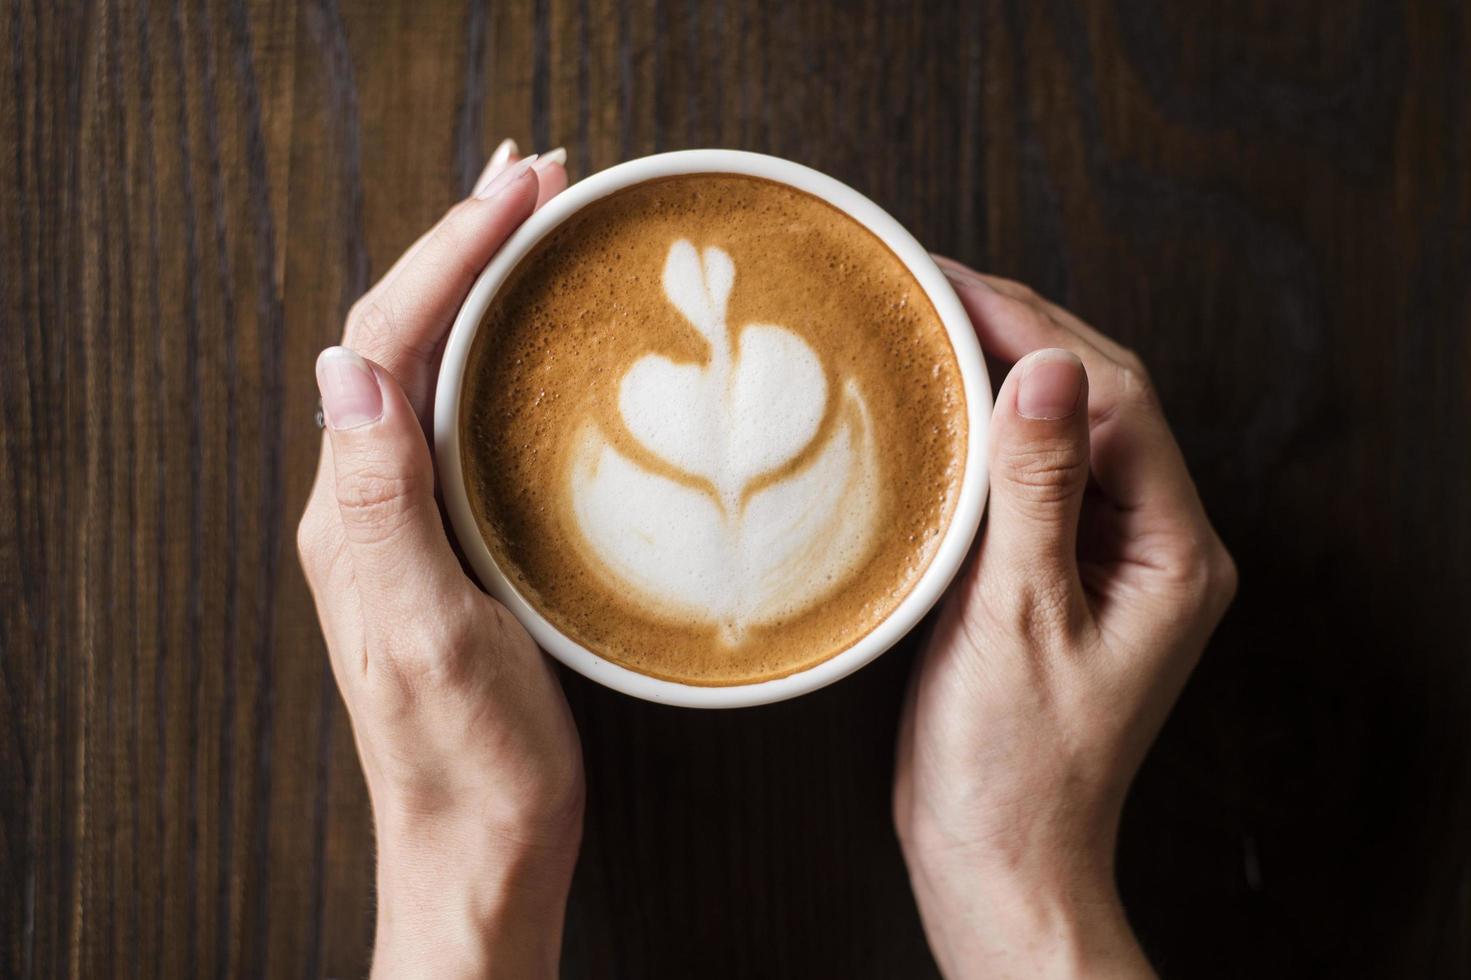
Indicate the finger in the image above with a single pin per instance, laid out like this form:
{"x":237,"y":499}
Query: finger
{"x":504,"y":155}
{"x":1010,"y":327}
{"x":384,"y":489}
{"x":1039,"y":470}
{"x":400,"y":322}
{"x":1105,"y":344}
{"x":550,"y":167}
{"x":1135,"y":459}
{"x":551,"y":175}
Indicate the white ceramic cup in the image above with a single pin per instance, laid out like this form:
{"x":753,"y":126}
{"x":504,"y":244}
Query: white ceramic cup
{"x":953,"y":546}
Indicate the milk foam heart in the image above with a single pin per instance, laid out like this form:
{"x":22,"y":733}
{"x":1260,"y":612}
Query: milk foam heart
{"x":751,"y":408}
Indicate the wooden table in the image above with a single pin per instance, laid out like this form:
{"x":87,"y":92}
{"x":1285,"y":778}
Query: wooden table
{"x":1269,"y":201}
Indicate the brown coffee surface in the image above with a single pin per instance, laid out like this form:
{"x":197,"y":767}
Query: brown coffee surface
{"x":587,"y":303}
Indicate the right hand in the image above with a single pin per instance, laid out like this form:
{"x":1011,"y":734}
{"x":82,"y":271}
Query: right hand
{"x":469,"y":751}
{"x":1057,"y":655}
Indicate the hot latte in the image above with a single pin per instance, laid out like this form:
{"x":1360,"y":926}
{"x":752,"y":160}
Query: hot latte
{"x":712,"y":429}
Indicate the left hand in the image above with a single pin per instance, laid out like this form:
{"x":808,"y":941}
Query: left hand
{"x":470,"y":754}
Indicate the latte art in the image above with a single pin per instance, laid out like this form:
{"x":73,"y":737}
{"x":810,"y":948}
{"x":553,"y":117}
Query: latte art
{"x":712,"y":429}
{"x":732,"y":550}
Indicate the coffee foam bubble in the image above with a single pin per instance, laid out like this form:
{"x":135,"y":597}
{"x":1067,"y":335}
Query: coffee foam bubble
{"x":713,"y":429}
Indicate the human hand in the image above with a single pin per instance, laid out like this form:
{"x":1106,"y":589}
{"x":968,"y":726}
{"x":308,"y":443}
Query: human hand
{"x":469,"y":751}
{"x":1056,"y":656}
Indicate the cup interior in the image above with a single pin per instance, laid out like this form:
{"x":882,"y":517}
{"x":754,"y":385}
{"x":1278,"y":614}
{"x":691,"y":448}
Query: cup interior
{"x":957,"y":537}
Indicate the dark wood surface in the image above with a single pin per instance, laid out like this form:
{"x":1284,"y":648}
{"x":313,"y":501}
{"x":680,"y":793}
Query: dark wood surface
{"x":1270,"y":201}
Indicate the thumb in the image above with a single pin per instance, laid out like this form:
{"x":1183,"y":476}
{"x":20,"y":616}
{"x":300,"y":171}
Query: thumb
{"x":1039,"y":469}
{"x":384,"y":481}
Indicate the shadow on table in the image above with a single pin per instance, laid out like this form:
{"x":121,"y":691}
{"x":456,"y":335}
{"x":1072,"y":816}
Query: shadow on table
{"x":1299,"y":815}
{"x":747,"y":842}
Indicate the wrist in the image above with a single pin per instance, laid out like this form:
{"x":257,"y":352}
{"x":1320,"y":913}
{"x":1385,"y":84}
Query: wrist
{"x":455,"y":900}
{"x":1054,"y":914}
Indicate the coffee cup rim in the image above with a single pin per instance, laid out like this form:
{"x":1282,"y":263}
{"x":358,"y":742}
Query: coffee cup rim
{"x":958,"y":536}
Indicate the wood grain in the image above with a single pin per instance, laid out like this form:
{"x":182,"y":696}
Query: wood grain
{"x":1270,"y":202}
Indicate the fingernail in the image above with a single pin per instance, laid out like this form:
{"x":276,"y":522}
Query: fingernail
{"x":1050,"y":384}
{"x":506,"y":177}
{"x":502,"y":153}
{"x":559,"y":155}
{"x":350,"y":393}
{"x":498,"y":159}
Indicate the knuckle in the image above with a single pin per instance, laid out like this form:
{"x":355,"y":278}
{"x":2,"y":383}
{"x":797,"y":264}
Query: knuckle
{"x":561,"y":792}
{"x":375,"y":500}
{"x":307,"y":545}
{"x":1193,"y":563}
{"x":1046,"y":473}
{"x":1043,"y":615}
{"x":1138,"y":386}
{"x":1200,"y":568}
{"x":1037,"y":612}
{"x":460,"y":634}
{"x":1132,"y":362}
{"x":1188,"y":559}
{"x":422,"y":663}
{"x":380,"y":326}
{"x":1225,"y":576}
{"x":443,"y":650}
{"x":369,"y":321}
{"x":313,"y":548}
